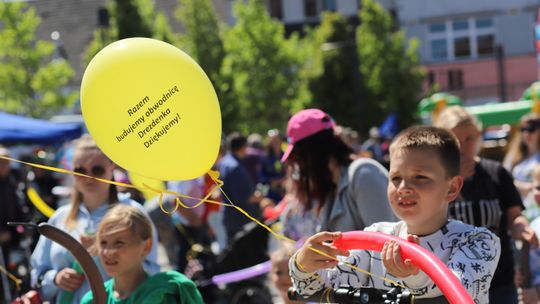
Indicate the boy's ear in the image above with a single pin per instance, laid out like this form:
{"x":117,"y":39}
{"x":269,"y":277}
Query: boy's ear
{"x":455,"y":187}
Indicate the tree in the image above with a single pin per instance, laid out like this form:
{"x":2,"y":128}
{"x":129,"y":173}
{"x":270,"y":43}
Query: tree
{"x":31,"y":81}
{"x":202,"y":38}
{"x":130,"y":18}
{"x":390,"y":70}
{"x":261,"y":70}
{"x":334,"y":78}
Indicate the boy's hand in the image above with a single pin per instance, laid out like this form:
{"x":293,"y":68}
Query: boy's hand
{"x":307,"y":260}
{"x":394,"y":263}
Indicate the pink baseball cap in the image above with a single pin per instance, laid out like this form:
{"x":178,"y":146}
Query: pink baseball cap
{"x":306,"y":123}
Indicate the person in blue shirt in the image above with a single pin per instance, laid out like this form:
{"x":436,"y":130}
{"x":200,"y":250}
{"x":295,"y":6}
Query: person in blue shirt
{"x":237,"y":185}
{"x":54,"y":270}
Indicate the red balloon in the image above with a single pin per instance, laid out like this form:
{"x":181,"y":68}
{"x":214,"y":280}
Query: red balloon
{"x":447,"y":282}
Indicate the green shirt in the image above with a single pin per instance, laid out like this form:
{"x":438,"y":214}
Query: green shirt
{"x":163,"y":287}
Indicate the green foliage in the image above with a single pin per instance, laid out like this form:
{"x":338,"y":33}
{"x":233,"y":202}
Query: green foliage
{"x":202,"y":39}
{"x":31,"y":81}
{"x":130,"y":18}
{"x":262,"y":71}
{"x":334,"y":78}
{"x":390,"y":71}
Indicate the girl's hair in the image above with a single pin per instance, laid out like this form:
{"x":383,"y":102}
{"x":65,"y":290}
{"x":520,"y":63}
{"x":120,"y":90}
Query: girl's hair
{"x":536,"y":173}
{"x":454,"y":116}
{"x":518,"y":149}
{"x":121,"y":217}
{"x":312,"y":155}
{"x":85,"y":143}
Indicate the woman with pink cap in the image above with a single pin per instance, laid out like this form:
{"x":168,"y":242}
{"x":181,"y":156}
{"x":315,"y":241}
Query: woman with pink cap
{"x":342,"y":194}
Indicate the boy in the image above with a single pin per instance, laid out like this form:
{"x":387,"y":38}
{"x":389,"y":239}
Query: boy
{"x":424,"y":178}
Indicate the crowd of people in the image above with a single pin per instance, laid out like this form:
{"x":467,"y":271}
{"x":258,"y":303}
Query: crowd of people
{"x":428,"y":185}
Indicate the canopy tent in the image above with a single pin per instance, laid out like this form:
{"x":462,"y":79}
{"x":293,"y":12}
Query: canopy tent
{"x":17,"y":129}
{"x":491,"y":114}
{"x":496,"y":114}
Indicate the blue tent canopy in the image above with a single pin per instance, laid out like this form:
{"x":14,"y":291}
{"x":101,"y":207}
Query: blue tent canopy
{"x":17,"y":129}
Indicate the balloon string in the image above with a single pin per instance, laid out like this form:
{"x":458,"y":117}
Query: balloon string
{"x":219,"y":183}
{"x":284,"y":238}
{"x":12,"y":277}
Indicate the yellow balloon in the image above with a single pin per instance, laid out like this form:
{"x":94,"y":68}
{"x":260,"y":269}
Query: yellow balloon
{"x":138,"y":181}
{"x":39,"y":203}
{"x":152,"y":109}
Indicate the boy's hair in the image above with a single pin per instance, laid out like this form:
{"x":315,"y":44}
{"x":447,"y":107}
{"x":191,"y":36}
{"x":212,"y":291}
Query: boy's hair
{"x":122,"y":217}
{"x":441,"y":141}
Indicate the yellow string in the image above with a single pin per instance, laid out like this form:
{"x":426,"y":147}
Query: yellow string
{"x":12,"y":277}
{"x":284,"y":238}
{"x":327,"y":291}
{"x":219,"y":183}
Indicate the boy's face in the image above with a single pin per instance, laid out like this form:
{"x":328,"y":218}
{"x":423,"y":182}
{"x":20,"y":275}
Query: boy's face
{"x":122,"y":252}
{"x":419,"y":190}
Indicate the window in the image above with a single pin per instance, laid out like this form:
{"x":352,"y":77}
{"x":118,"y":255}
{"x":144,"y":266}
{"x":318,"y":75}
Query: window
{"x":437,"y":28}
{"x":462,"y":38}
{"x":310,"y":8}
{"x":486,"y":45}
{"x":484,"y":23}
{"x":329,"y":5}
{"x":431,"y":78}
{"x":455,"y":79}
{"x":460,"y":25}
{"x":438,"y":49}
{"x":462,"y":47}
{"x":275,"y":8}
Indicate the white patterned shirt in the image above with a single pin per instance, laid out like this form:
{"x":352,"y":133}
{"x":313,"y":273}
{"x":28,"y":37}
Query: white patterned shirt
{"x":471,"y":253}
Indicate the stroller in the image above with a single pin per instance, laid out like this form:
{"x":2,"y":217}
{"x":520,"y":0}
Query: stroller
{"x":249,"y":247}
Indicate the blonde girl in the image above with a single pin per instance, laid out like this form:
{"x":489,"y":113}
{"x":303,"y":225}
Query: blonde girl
{"x":124,"y":239}
{"x":55,"y":271}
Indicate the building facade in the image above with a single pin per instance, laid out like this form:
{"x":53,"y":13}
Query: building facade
{"x":482,"y":50}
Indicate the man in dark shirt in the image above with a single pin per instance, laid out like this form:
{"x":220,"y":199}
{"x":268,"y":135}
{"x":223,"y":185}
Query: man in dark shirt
{"x":237,"y":186}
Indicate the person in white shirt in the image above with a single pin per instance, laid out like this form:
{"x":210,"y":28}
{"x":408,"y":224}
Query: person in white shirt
{"x":424,"y":179}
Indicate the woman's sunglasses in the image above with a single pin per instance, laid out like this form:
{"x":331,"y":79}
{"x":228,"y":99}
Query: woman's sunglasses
{"x":96,"y":171}
{"x":528,"y":129}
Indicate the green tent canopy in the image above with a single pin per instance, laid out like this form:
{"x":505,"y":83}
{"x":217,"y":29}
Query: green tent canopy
{"x":491,"y":114}
{"x":427,"y":105}
{"x":496,"y":114}
{"x":527,"y":94}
